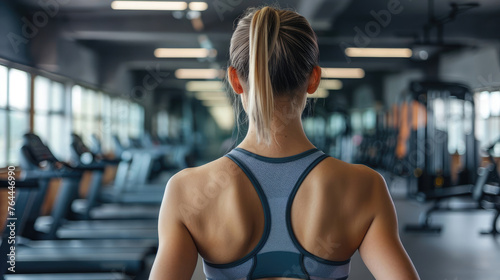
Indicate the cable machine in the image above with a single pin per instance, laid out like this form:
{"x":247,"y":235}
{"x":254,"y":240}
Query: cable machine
{"x":442,"y":149}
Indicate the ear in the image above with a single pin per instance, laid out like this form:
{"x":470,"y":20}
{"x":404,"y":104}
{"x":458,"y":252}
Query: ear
{"x":314,"y":80}
{"x":234,"y":80}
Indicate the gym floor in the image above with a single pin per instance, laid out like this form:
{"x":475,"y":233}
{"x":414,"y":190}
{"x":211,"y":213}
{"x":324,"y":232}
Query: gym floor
{"x":459,"y":252}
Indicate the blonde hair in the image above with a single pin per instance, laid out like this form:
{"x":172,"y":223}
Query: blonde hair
{"x":274,"y":51}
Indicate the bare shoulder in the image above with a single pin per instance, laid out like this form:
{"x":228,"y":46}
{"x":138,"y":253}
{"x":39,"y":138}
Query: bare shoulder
{"x":354,"y":178}
{"x":191,"y":189}
{"x":197,"y":177}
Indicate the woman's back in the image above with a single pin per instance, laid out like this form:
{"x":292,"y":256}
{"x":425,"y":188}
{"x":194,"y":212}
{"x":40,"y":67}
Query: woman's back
{"x":330,"y":214}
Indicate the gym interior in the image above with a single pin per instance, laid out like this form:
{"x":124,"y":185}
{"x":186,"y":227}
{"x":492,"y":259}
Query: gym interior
{"x":101,"y":102}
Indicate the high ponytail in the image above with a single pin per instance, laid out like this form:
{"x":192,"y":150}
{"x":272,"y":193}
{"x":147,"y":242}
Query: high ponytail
{"x":274,"y":51}
{"x":262,"y":41}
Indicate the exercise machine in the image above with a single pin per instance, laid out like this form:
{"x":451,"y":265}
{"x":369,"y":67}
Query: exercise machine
{"x":487,"y":192}
{"x":441,"y":149}
{"x":91,"y":207}
{"x":91,"y":262}
{"x":37,"y":161}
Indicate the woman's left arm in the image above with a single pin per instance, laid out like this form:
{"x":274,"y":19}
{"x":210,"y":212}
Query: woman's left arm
{"x":177,"y":253}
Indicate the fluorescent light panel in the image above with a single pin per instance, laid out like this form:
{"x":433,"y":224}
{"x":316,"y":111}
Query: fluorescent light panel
{"x":198,"y":73}
{"x":204,"y":86}
{"x":211,"y":95}
{"x":198,"y":6}
{"x":331,"y":84}
{"x":320,"y":93}
{"x":379,"y":52}
{"x":184,"y":53}
{"x":343,"y":73}
{"x":150,"y":5}
{"x":216,"y":103}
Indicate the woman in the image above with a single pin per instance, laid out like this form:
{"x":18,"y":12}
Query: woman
{"x":276,"y":207}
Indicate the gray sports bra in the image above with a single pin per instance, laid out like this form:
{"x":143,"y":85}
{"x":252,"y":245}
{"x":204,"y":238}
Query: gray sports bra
{"x":278,"y":253}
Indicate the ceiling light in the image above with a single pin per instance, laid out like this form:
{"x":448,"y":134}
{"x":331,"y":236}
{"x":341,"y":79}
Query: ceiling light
{"x":379,"y":52}
{"x":211,"y":95}
{"x":216,"y":103}
{"x":204,"y":86}
{"x":345,"y":73}
{"x":149,"y":5}
{"x":198,"y":6}
{"x":320,"y":93}
{"x":185,"y":53}
{"x":198,"y":73}
{"x":331,"y":84}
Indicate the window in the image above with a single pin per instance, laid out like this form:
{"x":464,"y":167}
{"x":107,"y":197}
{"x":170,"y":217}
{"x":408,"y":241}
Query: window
{"x":484,"y":104}
{"x":42,"y":107}
{"x":136,"y":123}
{"x":457,"y":126}
{"x":15,"y":111}
{"x":50,"y":113}
{"x":119,"y":112}
{"x":100,"y":114}
{"x":123,"y":114}
{"x":3,"y":138}
{"x":488,"y":118}
{"x":3,"y":87}
{"x":18,"y":126}
{"x":439,"y":110}
{"x":76,"y":111}
{"x":18,"y":90}
{"x":162,"y":123}
{"x":90,"y":121}
{"x":3,"y":115}
{"x":127,"y":119}
{"x":495,"y":103}
{"x":114,"y":117}
{"x":91,"y":112}
{"x":495,"y":120}
{"x":86,"y":112}
{"x":59,"y":133}
{"x":106,"y":132}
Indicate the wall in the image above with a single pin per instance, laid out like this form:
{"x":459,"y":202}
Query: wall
{"x":42,"y":44}
{"x":54,"y":53}
{"x":13,"y":45}
{"x":475,"y":67}
{"x":396,"y":84}
{"x":363,"y":97}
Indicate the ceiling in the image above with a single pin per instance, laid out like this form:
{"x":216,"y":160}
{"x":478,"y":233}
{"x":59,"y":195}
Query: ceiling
{"x":130,"y":37}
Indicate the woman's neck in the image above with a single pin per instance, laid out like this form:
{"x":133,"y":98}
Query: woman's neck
{"x":287,"y":138}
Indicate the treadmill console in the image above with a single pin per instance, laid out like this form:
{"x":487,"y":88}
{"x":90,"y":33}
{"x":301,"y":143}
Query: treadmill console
{"x":80,"y":153}
{"x":35,"y":154}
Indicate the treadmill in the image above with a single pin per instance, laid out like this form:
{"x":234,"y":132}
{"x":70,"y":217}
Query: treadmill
{"x":92,"y":263}
{"x":91,"y":208}
{"x":38,"y":162}
{"x":130,"y":185}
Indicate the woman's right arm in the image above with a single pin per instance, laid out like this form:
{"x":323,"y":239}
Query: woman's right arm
{"x":177,"y":252}
{"x":381,"y":249}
